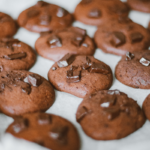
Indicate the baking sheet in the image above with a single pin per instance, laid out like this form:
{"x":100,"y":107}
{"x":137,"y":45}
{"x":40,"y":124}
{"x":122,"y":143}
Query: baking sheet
{"x":66,"y":104}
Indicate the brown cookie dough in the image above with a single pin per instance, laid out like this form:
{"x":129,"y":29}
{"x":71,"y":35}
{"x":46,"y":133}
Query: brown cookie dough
{"x":48,"y":130}
{"x":146,"y":107}
{"x":15,"y":55}
{"x":80,"y":75}
{"x":109,"y":115}
{"x":140,"y":5}
{"x":122,"y":35}
{"x":8,"y":26}
{"x":96,"y":12}
{"x":43,"y":17}
{"x":72,"y":40}
{"x":24,"y":92}
{"x":133,"y":70}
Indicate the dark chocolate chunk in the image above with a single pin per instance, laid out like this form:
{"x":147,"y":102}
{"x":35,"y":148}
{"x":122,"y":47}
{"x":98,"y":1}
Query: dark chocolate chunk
{"x":77,"y":41}
{"x":110,"y":101}
{"x":33,"y":13}
{"x":98,"y":68}
{"x":112,"y":112}
{"x":54,"y":68}
{"x":129,"y":56}
{"x":41,"y":4}
{"x":44,"y":20}
{"x":82,"y":112}
{"x":59,"y":134}
{"x":86,"y":1}
{"x":73,"y":76}
{"x":20,"y":124}
{"x":66,"y":60}
{"x":79,"y":31}
{"x":147,"y":55}
{"x":16,"y":56}
{"x":94,"y":13}
{"x":136,"y":37}
{"x":118,"y":39}
{"x":45,"y":33}
{"x":54,"y":41}
{"x":87,"y":64}
{"x":61,"y":12}
{"x":44,"y":119}
{"x":26,"y":88}
{"x":144,"y":62}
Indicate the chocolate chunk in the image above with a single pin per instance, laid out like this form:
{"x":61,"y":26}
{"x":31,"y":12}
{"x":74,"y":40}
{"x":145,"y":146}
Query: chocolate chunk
{"x":73,"y":76}
{"x":33,"y":13}
{"x":110,"y":101}
{"x":61,"y":12}
{"x":112,"y":92}
{"x":86,"y":1}
{"x":136,"y":37}
{"x":112,"y":112}
{"x":94,"y":13}
{"x":98,"y":68}
{"x":66,"y":60}
{"x":54,"y":41}
{"x":45,"y":33}
{"x":147,"y":55}
{"x":20,"y":124}
{"x":79,"y":31}
{"x":26,"y":88}
{"x":41,"y":4}
{"x":144,"y":62}
{"x":82,"y":112}
{"x":118,"y":39}
{"x":16,"y":56}
{"x":44,"y":119}
{"x":54,"y":68}
{"x":33,"y":80}
{"x":129,"y":56}
{"x":77,"y":41}
{"x":59,"y":134}
{"x":87,"y":64}
{"x":44,"y":20}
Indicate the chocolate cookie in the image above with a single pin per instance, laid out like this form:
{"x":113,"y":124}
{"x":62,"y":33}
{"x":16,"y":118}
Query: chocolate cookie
{"x":24,"y":92}
{"x":72,"y":40}
{"x":96,"y":12}
{"x":8,"y":26}
{"x":149,"y":26}
{"x":133,"y":70}
{"x":109,"y":115}
{"x":80,"y":75}
{"x":122,"y":35}
{"x":15,"y":55}
{"x":43,"y":17}
{"x":146,"y":107}
{"x":48,"y":130}
{"x":140,"y":5}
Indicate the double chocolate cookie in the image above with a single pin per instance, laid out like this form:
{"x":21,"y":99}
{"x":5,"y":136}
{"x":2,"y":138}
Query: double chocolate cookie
{"x":146,"y":107}
{"x":109,"y":115}
{"x":140,"y":5}
{"x":96,"y":12}
{"x":24,"y":92}
{"x":43,"y":17}
{"x":72,"y":40}
{"x":80,"y":75}
{"x":133,"y":70}
{"x":48,"y":130}
{"x":8,"y":26}
{"x":122,"y":35}
{"x":15,"y":55}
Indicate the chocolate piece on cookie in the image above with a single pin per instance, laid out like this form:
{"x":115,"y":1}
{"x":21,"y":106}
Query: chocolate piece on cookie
{"x":96,"y":12}
{"x":24,"y":92}
{"x":8,"y":26}
{"x":15,"y":55}
{"x":57,"y":44}
{"x":133,"y":70}
{"x":139,"y":5}
{"x":120,"y":36}
{"x":109,"y":115}
{"x":45,"y":17}
{"x":47,"y":130}
{"x":83,"y":75}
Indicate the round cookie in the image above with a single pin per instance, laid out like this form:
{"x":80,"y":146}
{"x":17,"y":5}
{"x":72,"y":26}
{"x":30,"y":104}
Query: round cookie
{"x":109,"y":115}
{"x":24,"y":92}
{"x":96,"y":12}
{"x":43,"y":17}
{"x":146,"y":107}
{"x":80,"y":75}
{"x":133,"y":70}
{"x":8,"y":26}
{"x":72,"y":40}
{"x":122,"y":35}
{"x":15,"y":55}
{"x":47,"y":130}
{"x":140,"y":5}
